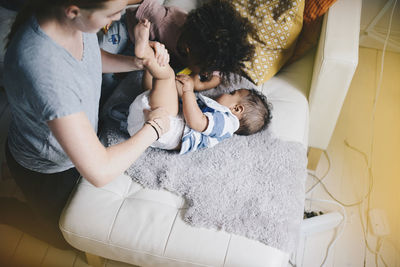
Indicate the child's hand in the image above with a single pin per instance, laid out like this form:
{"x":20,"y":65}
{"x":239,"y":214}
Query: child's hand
{"x":160,"y":52}
{"x":212,"y":81}
{"x":187,"y":83}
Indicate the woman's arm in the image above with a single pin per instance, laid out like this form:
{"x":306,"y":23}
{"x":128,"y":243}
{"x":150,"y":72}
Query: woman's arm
{"x":99,"y":165}
{"x":194,"y":117}
{"x":114,"y":63}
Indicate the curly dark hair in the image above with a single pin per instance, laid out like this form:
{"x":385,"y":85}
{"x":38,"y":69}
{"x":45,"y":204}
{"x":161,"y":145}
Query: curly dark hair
{"x":215,"y":38}
{"x":257,"y":113}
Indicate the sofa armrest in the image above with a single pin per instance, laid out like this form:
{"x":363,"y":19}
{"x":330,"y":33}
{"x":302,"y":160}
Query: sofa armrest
{"x":335,"y":63}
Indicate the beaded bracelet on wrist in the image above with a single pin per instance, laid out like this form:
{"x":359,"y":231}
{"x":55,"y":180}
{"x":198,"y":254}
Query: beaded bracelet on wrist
{"x":149,"y":123}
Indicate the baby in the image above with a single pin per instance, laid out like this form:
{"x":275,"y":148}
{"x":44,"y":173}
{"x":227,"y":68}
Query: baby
{"x":201,"y":122}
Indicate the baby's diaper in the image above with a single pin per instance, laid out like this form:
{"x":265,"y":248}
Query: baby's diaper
{"x":169,"y":140}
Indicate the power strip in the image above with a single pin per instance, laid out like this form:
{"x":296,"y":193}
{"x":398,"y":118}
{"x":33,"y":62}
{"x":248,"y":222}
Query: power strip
{"x":315,"y":225}
{"x":321,"y":223}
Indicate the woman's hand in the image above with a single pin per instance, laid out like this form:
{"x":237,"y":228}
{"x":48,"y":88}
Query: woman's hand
{"x":161,"y":53}
{"x":159,"y":118}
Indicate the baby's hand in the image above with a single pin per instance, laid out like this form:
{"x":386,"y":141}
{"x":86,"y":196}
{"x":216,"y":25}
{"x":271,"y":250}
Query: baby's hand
{"x":179,"y":87}
{"x":186,"y":81}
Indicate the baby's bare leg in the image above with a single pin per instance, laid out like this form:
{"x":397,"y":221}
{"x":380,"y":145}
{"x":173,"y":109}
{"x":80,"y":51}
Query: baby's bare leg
{"x":164,"y":95}
{"x":163,"y":92}
{"x":145,"y":52}
{"x":147,"y":80}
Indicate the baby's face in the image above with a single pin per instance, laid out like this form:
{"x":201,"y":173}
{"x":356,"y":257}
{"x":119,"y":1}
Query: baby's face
{"x":233,"y":98}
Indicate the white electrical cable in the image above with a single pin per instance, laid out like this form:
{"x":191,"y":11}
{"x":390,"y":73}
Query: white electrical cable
{"x":379,"y":243}
{"x":368,"y":162}
{"x":340,"y":231}
{"x":320,"y":180}
{"x":383,"y":58}
{"x":358,"y":203}
{"x":369,"y":165}
{"x":311,"y":189}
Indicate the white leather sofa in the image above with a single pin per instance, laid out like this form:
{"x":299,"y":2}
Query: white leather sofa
{"x":125,"y":222}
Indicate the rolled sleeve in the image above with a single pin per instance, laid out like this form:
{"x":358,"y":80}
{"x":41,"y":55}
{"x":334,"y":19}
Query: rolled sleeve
{"x":220,"y":124}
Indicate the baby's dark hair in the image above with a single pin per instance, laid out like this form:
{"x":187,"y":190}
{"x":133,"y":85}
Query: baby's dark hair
{"x":215,"y":38}
{"x":256,"y":115}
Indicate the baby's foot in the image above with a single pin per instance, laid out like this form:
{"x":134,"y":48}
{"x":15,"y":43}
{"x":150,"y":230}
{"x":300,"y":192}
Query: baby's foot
{"x":142,"y":33}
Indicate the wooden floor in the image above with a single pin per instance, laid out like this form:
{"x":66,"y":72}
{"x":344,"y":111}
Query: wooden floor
{"x":19,"y":249}
{"x":347,"y":179}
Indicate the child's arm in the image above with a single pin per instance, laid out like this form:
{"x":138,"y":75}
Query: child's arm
{"x":205,"y":85}
{"x":194,"y":117}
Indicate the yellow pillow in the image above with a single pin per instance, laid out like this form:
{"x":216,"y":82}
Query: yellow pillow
{"x":278,"y":24}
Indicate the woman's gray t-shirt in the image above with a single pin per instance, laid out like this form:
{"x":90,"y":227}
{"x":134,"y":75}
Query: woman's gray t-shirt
{"x":44,"y":82}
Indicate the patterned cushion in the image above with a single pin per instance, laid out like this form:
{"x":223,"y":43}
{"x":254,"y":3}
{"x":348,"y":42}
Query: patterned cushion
{"x":277,"y":23}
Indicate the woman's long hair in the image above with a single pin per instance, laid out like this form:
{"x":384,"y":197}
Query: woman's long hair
{"x":48,"y":8}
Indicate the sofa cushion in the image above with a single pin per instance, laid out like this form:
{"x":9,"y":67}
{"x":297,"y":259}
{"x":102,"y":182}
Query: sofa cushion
{"x":126,"y":222}
{"x":277,"y":24}
{"x":288,"y":91}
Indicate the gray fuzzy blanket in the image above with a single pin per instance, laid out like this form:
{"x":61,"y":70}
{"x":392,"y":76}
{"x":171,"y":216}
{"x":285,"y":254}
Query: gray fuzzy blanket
{"x":251,"y":186}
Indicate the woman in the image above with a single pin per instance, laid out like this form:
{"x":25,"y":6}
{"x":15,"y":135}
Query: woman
{"x":52,"y":78}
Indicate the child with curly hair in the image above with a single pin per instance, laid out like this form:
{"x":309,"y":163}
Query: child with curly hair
{"x":211,"y":40}
{"x":205,"y":122}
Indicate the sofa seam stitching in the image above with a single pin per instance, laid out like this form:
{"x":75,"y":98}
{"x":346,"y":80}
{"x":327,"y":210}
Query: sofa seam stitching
{"x":134,"y":250}
{"x":227,"y":249}
{"x":170,"y":231}
{"x":116,"y":214}
{"x":113,"y":223}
